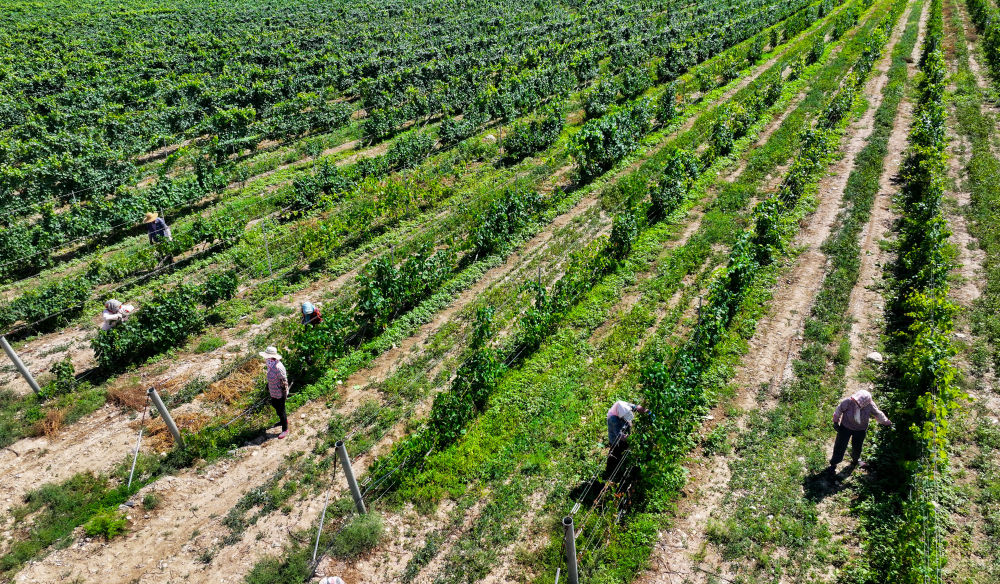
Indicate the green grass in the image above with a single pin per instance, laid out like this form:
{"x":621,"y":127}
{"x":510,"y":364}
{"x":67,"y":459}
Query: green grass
{"x":55,"y":511}
{"x":209,"y":344}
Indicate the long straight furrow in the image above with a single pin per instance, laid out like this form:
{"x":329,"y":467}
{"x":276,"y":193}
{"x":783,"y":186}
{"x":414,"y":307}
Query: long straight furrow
{"x":86,"y":449}
{"x":973,"y":544}
{"x":188,"y":527}
{"x":690,"y":550}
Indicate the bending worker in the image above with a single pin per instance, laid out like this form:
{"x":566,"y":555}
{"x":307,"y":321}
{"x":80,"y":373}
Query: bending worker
{"x":620,"y":418}
{"x":114,"y":313}
{"x":310,"y":314}
{"x":850,"y":420}
{"x":157,"y":228}
{"x":277,"y":386}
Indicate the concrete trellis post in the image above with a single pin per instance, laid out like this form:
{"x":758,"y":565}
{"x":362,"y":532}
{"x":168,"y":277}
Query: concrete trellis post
{"x":345,"y":460}
{"x":571,"y":568}
{"x":20,"y":366}
{"x":166,"y":415}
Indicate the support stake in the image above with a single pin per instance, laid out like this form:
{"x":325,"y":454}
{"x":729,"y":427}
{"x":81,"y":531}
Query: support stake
{"x":166,"y":415}
{"x":571,"y":568}
{"x":349,"y":473}
{"x":20,"y":366}
{"x":138,"y":442}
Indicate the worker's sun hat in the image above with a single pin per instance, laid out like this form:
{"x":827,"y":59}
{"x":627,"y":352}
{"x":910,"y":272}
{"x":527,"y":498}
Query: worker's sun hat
{"x":112,"y":304}
{"x":331,"y":580}
{"x":150,"y":217}
{"x":270,"y":353}
{"x":308,"y":308}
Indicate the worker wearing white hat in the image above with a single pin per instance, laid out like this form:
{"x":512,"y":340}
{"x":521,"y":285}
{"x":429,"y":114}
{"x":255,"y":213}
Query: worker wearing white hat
{"x":277,"y":385}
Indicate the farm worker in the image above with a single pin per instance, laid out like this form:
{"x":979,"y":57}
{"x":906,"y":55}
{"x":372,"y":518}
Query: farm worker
{"x":277,"y":385}
{"x":850,"y":419}
{"x":157,"y":228}
{"x":620,"y":418}
{"x":310,"y":314}
{"x":114,"y":313}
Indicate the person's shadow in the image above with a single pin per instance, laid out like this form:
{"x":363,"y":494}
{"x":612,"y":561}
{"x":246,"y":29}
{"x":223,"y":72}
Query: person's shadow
{"x":822,"y":484}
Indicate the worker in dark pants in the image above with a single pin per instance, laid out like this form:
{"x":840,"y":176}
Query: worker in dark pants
{"x":620,"y":418}
{"x":850,"y":420}
{"x":277,"y":386}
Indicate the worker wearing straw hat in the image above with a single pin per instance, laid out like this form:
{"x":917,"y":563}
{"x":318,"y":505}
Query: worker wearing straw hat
{"x":277,"y":385}
{"x":158,"y":231}
{"x":157,"y":228}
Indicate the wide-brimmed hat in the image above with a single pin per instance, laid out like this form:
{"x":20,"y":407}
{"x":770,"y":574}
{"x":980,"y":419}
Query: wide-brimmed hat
{"x":271,"y":353}
{"x":150,"y":217}
{"x":112,"y":304}
{"x":308,"y":308}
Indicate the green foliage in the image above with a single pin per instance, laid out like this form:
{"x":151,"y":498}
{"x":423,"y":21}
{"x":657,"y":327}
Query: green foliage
{"x":527,"y":138}
{"x":730,"y":124}
{"x":209,"y":344}
{"x":163,"y":322}
{"x":635,"y":80}
{"x":624,"y":231}
{"x":315,"y":348}
{"x":219,"y":286}
{"x":65,"y":379}
{"x":454,"y":130}
{"x":151,"y":501}
{"x":474,"y":382}
{"x":666,"y":104}
{"x":65,"y":296}
{"x":359,"y":535}
{"x":295,"y":566}
{"x":505,"y":217}
{"x":756,"y":50}
{"x":599,"y":100}
{"x":602,"y":142}
{"x":307,"y":189}
{"x":407,"y":151}
{"x":386,"y":290}
{"x":106,"y":523}
{"x":680,"y":168}
{"x":55,"y":510}
{"x":815,"y":52}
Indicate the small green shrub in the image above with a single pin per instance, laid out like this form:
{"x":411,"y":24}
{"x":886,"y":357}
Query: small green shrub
{"x":666,"y":104}
{"x":65,"y":379}
{"x":361,"y":534}
{"x":151,"y":501}
{"x":219,"y":286}
{"x":106,"y":523}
